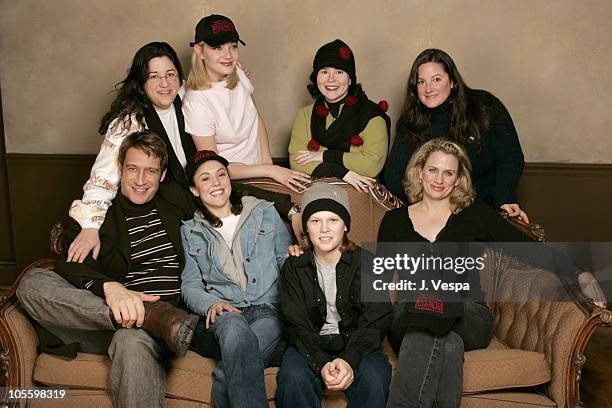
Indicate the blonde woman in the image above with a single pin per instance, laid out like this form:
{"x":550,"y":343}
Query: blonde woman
{"x":431,"y":342}
{"x":219,"y":110}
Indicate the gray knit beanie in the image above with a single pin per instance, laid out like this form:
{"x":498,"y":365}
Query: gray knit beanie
{"x":326,"y":197}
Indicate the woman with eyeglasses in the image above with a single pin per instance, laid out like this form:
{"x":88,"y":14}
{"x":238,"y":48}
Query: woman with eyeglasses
{"x":219,"y":110}
{"x":148,"y":98}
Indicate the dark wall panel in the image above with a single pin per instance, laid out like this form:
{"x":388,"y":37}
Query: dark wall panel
{"x":571,"y":201}
{"x":41,"y":189}
{"x":6,"y":244}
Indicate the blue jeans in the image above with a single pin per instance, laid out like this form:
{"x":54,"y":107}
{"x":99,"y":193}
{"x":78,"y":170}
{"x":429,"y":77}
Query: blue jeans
{"x":430,"y":367}
{"x":243,"y":342}
{"x":299,"y":386}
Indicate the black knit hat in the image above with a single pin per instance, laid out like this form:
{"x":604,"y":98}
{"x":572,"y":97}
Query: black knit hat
{"x":326,"y":197}
{"x":335,"y":54}
{"x":215,"y":30}
{"x":198,"y":159}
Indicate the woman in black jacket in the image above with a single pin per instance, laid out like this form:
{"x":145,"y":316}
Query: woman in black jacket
{"x":439,"y":104}
{"x":334,"y":337}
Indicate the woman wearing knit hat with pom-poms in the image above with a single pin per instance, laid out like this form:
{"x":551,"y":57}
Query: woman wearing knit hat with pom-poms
{"x":342,"y":134}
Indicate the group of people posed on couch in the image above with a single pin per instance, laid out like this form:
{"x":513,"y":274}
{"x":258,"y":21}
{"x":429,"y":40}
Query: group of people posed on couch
{"x":171,"y":251}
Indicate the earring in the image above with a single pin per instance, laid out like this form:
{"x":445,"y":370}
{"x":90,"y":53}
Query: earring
{"x":420,"y":181}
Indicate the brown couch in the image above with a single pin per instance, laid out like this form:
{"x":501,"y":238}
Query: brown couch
{"x":534,"y":360}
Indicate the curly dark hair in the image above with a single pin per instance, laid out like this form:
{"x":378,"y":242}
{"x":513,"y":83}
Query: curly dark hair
{"x":131,"y":97}
{"x":467,"y":118}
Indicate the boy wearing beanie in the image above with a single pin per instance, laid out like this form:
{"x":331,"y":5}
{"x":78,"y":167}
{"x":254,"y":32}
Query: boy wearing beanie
{"x":334,"y":338}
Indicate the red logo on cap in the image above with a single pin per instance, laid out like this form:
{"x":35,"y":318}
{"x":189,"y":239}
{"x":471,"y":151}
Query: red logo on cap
{"x":345,"y":53}
{"x":203,"y":154}
{"x":429,"y":303}
{"x":221,"y":26}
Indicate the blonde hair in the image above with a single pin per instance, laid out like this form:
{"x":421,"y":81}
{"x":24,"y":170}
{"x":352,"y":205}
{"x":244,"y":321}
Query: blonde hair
{"x":198,"y":78}
{"x":463,"y":194}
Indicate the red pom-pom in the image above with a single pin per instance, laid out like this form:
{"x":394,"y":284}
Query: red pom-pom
{"x":383,"y":105}
{"x":313,"y":145}
{"x":356,"y":140}
{"x":350,"y":100}
{"x":321,"y":111}
{"x":345,"y":52}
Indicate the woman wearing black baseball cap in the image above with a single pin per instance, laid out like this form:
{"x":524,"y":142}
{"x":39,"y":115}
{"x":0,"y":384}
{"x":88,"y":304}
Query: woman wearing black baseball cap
{"x":234,"y":248}
{"x":219,"y":110}
{"x":342,"y":134}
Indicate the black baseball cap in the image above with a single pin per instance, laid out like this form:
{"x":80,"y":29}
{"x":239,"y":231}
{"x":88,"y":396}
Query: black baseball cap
{"x":215,"y":30}
{"x":201,"y":157}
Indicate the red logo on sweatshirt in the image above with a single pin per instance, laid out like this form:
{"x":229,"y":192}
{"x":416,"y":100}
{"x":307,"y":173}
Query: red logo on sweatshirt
{"x":430,"y":303}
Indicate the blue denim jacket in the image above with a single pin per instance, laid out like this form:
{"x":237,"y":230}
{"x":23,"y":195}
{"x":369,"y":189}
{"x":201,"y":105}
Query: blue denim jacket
{"x":260,"y":249}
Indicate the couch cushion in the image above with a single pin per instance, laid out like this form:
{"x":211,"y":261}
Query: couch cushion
{"x":190,"y":377}
{"x":506,"y":400}
{"x":496,"y":367}
{"x":502,"y":368}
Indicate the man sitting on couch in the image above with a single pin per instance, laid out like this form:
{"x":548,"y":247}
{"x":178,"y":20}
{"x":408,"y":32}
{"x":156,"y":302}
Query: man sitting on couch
{"x":124,"y":303}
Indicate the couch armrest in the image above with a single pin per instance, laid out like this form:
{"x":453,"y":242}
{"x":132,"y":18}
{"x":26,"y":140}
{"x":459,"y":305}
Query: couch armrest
{"x":559,"y":329}
{"x":18,"y":339}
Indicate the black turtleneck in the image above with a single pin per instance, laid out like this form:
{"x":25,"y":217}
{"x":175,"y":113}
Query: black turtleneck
{"x":439,"y":120}
{"x":133,"y":210}
{"x":497,"y":158}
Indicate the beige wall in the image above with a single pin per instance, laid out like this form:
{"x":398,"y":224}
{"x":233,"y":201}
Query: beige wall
{"x":548,"y":61}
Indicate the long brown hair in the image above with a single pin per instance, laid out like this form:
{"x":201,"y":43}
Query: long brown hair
{"x":467,"y":118}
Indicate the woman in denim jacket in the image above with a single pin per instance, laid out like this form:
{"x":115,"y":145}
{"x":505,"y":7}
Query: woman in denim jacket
{"x":234,"y":249}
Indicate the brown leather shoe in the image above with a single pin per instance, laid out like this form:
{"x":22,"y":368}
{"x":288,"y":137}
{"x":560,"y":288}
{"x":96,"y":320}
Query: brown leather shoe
{"x":169,"y":323}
